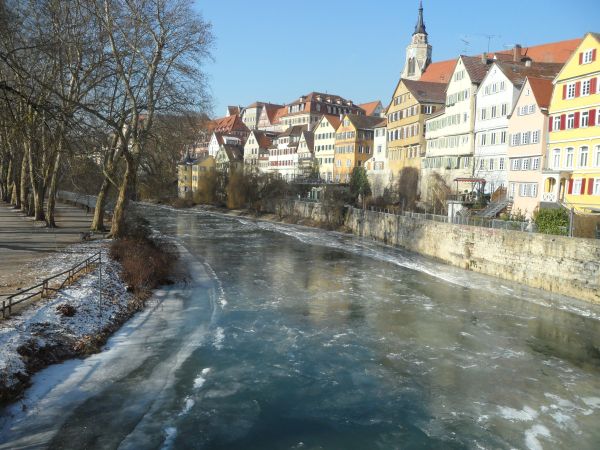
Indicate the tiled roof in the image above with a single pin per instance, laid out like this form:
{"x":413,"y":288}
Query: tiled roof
{"x":233,"y":110}
{"x":553,"y":52}
{"x":309,"y":137}
{"x":517,"y":72}
{"x":439,"y":72}
{"x":278,"y":115}
{"x":257,"y":104}
{"x":556,"y":52}
{"x":542,"y":90}
{"x":426,"y":92}
{"x":264,"y":139}
{"x":364,"y":122}
{"x":476,"y":67}
{"x":227,"y":124}
{"x":333,"y":120}
{"x":370,"y":107}
{"x":295,"y":130}
{"x":234,"y":152}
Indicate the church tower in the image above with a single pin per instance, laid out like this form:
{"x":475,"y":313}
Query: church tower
{"x":418,"y":53}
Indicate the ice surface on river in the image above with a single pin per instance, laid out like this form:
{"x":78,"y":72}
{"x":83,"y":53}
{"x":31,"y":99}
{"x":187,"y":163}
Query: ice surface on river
{"x":290,"y":337}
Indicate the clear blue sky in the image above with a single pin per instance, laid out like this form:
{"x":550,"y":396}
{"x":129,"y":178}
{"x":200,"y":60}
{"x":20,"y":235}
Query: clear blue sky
{"x":277,"y":50}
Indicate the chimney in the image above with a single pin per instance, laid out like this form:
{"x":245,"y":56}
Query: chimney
{"x":517,"y":53}
{"x":528,"y":63}
{"x":484,"y":58}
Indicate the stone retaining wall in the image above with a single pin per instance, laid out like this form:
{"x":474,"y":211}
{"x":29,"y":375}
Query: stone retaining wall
{"x":568,"y":266}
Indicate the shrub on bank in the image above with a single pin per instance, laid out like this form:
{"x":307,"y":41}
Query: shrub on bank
{"x":552,"y":221}
{"x":146,"y":262}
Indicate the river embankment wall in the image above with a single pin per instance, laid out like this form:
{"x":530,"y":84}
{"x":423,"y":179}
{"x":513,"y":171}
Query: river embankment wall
{"x":567,"y":266}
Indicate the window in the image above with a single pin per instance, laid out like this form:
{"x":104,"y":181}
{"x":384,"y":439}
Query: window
{"x":483,"y":114}
{"x":492,"y":163}
{"x":577,"y":187}
{"x":481,"y":164}
{"x":484,"y":139}
{"x":504,"y":109}
{"x":531,"y":109}
{"x":570,"y":121}
{"x":535,"y":163}
{"x":503,"y":137}
{"x":588,"y":56}
{"x":569,"y":161}
{"x":494,"y":111}
{"x":501,"y":164}
{"x":493,"y":141}
{"x":515,"y":139}
{"x":597,"y":156}
{"x":535,"y":137}
{"x":585,"y":87}
{"x":556,"y":158}
{"x":556,"y":125}
{"x":516,"y":164}
{"x":597,"y":186}
{"x":583,"y":156}
{"x":571,"y":90}
{"x":526,"y":138}
{"x":525,"y":164}
{"x":585,"y":119}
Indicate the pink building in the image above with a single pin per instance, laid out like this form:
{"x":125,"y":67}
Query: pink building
{"x":528,"y":132}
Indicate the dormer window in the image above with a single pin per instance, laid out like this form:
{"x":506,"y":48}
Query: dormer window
{"x":587,"y":57}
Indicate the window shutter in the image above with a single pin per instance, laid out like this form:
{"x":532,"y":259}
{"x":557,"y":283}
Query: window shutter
{"x":582,"y":186}
{"x":550,"y":120}
{"x":570,"y":191}
{"x":590,"y":183}
{"x":593,"y":85}
{"x":592,"y":117}
{"x":580,"y":58}
{"x":563,"y":121}
{"x":593,"y":55}
{"x":577,"y":114}
{"x":578,"y":89}
{"x":564,"y":91}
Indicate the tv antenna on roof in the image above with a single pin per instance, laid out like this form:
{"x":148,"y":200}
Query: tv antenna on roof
{"x":489,"y":38}
{"x":466,"y":47}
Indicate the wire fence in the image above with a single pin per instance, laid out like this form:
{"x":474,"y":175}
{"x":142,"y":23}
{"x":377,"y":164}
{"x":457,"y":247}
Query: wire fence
{"x":496,"y":224}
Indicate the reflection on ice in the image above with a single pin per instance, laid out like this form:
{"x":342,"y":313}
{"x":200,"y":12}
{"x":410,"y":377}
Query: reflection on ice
{"x":291,"y":337}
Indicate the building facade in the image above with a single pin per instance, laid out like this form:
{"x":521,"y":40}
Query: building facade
{"x":574,"y":129}
{"x":527,"y":157}
{"x":308,"y":109}
{"x":353,"y":144}
{"x":283,"y":155}
{"x":324,"y":133}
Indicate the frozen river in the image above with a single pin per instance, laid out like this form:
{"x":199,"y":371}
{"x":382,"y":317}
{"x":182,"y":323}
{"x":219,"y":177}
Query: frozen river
{"x":293,"y":338}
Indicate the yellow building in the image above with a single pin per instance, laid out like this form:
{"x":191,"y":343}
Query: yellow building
{"x":190,"y":172}
{"x":353,"y":144}
{"x":412,"y":102}
{"x":574,"y":130}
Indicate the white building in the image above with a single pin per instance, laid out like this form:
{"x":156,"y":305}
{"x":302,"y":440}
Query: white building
{"x":283,"y":156}
{"x":324,"y":144}
{"x":495,"y":100}
{"x":378,"y":167}
{"x":450,"y":134}
{"x":257,"y":144}
{"x":219,"y":139}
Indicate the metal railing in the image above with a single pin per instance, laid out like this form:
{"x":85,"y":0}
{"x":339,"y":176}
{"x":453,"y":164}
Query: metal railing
{"x":44,"y":289}
{"x":483,"y":222}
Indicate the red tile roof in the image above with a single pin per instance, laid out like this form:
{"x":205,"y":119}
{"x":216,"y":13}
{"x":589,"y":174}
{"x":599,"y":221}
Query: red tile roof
{"x":556,"y":52}
{"x":333,"y":120}
{"x":542,"y":90}
{"x":227,"y":124}
{"x":370,"y":107}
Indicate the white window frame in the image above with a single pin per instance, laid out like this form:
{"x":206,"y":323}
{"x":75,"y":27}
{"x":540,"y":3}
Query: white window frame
{"x":584,"y":153}
{"x":525,"y":164}
{"x":570,"y":155}
{"x":577,"y":186}
{"x":597,"y":186}
{"x":584,"y":119}
{"x":556,"y":158}
{"x":586,"y":88}
{"x":501,"y":164}
{"x":535,"y":137}
{"x":570,"y":121}
{"x":597,"y":156}
{"x":556,"y":125}
{"x":515,"y":164}
{"x":570,"y":91}
{"x":587,"y":56}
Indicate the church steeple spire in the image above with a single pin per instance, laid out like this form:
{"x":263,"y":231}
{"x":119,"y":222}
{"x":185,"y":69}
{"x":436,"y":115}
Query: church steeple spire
{"x":418,"y":53}
{"x":420,"y":26}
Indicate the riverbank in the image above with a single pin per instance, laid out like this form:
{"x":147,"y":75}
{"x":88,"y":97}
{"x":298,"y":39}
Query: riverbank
{"x":76,"y":322}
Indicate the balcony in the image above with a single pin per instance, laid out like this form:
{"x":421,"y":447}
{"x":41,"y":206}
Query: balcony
{"x":549,"y":197}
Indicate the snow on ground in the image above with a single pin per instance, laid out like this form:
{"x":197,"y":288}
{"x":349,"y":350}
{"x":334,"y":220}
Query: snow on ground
{"x":40,"y":324}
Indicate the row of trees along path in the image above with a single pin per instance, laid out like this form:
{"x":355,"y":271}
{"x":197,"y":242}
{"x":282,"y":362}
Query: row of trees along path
{"x":85,"y":81}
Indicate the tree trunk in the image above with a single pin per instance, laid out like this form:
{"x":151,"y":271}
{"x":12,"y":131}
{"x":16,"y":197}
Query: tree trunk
{"x":23,"y":194}
{"x":50,"y":208}
{"x":117,"y":229}
{"x":98,"y":222}
{"x":37,"y":188}
{"x":15,"y":192}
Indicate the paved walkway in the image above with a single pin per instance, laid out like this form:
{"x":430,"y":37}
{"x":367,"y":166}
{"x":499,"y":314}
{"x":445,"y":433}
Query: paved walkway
{"x":22,"y":241}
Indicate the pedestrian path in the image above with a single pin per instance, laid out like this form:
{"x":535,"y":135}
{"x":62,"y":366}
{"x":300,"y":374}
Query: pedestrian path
{"x":23,"y":241}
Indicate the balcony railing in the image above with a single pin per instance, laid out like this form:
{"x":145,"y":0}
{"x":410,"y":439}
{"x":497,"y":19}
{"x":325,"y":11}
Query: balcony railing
{"x":549,"y":197}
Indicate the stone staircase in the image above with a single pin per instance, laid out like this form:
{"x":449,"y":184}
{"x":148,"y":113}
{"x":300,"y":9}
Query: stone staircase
{"x":495,"y":208}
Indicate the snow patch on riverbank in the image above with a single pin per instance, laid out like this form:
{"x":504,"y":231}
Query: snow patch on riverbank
{"x":99,"y":299}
